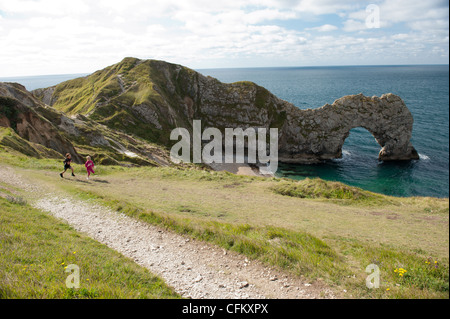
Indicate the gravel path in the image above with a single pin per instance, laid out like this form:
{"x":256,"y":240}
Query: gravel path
{"x":194,"y":269}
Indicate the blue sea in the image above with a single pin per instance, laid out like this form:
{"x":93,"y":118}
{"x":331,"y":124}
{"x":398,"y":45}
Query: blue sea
{"x":424,"y":88}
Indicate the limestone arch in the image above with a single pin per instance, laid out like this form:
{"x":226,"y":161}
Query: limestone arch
{"x":319,"y":134}
{"x":377,"y":137}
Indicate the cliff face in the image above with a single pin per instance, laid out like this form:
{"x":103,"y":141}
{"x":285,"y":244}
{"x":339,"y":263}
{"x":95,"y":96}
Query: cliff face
{"x":149,"y":98}
{"x":19,"y":111}
{"x":29,"y":126}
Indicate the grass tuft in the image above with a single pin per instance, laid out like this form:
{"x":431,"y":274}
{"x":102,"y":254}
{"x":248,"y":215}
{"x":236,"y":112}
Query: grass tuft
{"x":317,"y":188}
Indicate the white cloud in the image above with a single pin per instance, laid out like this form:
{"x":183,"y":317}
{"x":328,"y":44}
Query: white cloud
{"x":62,"y":36}
{"x":319,"y":7}
{"x":401,"y":36}
{"x":413,"y":13}
{"x":324,"y":28}
{"x":430,"y":25}
{"x":47,"y":7}
{"x":354,"y":25}
{"x":260,"y":16}
{"x":413,"y":10}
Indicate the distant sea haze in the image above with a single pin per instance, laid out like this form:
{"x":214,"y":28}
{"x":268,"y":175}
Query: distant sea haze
{"x":41,"y":81}
{"x":424,"y":88}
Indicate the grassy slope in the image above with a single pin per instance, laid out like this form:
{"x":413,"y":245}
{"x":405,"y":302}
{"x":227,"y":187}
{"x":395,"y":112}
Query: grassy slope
{"x":82,"y":95}
{"x":36,"y":248}
{"x":110,"y":97}
{"x":333,"y":239}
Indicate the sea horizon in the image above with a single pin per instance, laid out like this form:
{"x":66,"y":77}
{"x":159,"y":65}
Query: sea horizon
{"x":254,"y":67}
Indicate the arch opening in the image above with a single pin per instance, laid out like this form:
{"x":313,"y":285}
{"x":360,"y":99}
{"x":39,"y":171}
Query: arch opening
{"x":362,"y":142}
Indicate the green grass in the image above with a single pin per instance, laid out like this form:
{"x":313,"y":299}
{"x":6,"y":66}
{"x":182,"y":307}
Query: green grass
{"x":332,"y":233}
{"x":13,"y":157}
{"x":9,"y":138}
{"x":35,"y":249}
{"x":424,"y":277}
{"x":339,"y":261}
{"x":299,"y":253}
{"x":321,"y":189}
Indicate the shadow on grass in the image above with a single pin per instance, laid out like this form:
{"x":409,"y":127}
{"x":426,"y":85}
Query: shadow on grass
{"x":100,"y":181}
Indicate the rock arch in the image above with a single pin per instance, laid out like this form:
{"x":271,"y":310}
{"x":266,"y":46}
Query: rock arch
{"x":319,"y":134}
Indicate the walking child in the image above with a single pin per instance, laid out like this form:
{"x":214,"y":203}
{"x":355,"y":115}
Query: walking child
{"x":89,"y":166}
{"x":67,"y":165}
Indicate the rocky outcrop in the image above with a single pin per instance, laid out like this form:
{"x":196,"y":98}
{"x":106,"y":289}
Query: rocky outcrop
{"x":319,"y":134}
{"x":149,"y":98}
{"x":30,"y":127}
{"x":18,"y":111}
{"x":45,"y":94}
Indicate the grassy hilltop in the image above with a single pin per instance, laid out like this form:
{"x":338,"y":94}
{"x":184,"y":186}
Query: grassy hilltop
{"x":149,"y":98}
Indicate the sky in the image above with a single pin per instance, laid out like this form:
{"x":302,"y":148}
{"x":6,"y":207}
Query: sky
{"x":42,"y":37}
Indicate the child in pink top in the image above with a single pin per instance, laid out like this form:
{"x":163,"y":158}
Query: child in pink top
{"x":89,"y":166}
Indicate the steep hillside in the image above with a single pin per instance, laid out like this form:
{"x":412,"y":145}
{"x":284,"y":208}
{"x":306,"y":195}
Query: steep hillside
{"x":25,"y":129}
{"x":149,"y":98}
{"x":30,"y":127}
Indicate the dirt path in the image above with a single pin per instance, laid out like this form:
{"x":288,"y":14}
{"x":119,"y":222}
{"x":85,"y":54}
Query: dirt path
{"x":193,"y":268}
